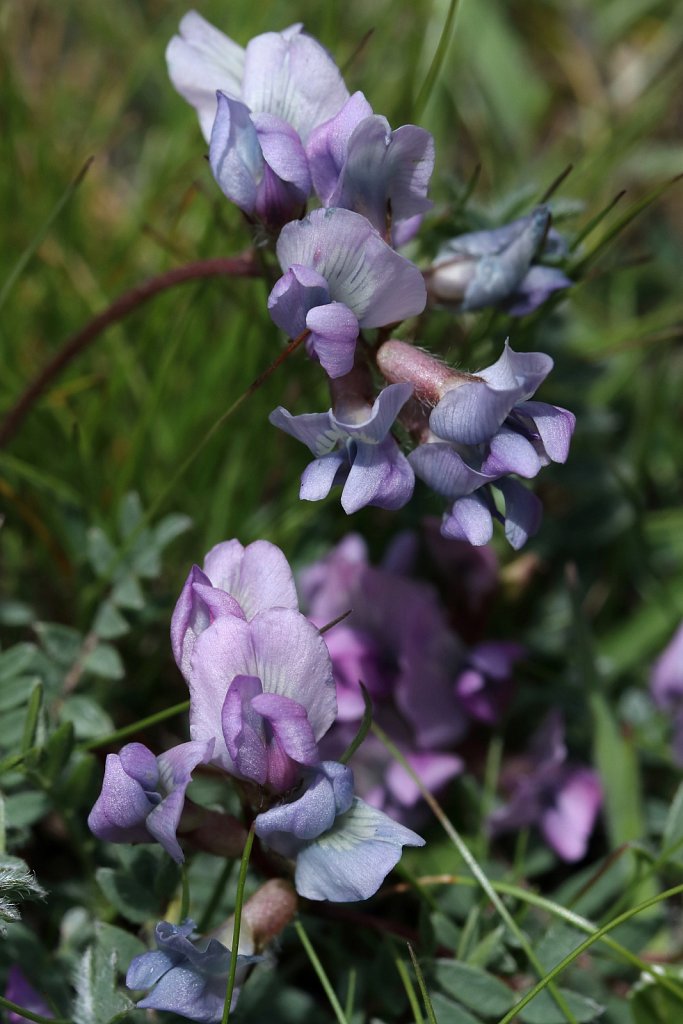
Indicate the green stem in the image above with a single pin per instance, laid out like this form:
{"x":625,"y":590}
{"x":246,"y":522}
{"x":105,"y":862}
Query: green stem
{"x":586,"y":944}
{"x":475,"y":870}
{"x":184,"y":912}
{"x":241,"y":882}
{"x":423,"y":988}
{"x":408,"y":986}
{"x":142,"y":723}
{"x":437,"y":61}
{"x":214,"y":898}
{"x":7,"y":1004}
{"x":320,"y":971}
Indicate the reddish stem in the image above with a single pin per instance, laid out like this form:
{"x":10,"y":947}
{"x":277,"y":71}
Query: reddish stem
{"x":239,"y":266}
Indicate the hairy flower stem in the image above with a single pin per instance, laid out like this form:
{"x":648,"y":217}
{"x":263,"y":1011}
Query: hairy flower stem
{"x":239,"y":266}
{"x":239,"y":901}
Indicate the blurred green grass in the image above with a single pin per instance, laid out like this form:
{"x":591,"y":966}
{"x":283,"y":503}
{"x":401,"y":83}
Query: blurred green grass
{"x":526,"y":88}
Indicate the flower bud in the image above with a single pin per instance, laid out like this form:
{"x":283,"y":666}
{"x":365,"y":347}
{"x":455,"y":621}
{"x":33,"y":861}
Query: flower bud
{"x":400,"y":363}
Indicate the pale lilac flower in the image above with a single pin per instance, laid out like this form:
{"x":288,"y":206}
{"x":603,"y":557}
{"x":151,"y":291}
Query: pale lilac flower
{"x":143,"y":796}
{"x":257,"y":106}
{"x":355,"y":448}
{"x":487,"y":268}
{"x":340,"y":276}
{"x":19,"y":990}
{"x":666,"y":686}
{"x":343,"y":848}
{"x":187,"y":979}
{"x":235,"y":581}
{"x":358,"y":163}
{"x":561,"y":799}
{"x":484,"y":428}
{"x":263,"y":691}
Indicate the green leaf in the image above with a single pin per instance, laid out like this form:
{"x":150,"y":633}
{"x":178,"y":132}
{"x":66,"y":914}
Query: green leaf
{"x":101,"y":551}
{"x":475,"y":988}
{"x":617,"y":762}
{"x":142,"y":886}
{"x":17,"y":661}
{"x":15,"y":692}
{"x":130,"y":513}
{"x":88,"y":718}
{"x":109,"y":622}
{"x":448,"y":1012}
{"x":544,"y":1010}
{"x":104,"y":661}
{"x":673,"y":829}
{"x":61,"y":643}
{"x":111,"y":939}
{"x":128,"y":594}
{"x":170,"y":527}
{"x":98,"y":998}
{"x":23,"y":809}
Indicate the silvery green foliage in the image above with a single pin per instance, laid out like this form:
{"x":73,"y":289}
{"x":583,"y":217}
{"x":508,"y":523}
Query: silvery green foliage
{"x":17,"y":883}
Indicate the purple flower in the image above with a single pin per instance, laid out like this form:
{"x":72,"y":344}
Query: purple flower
{"x":344,"y":848}
{"x":484,"y":685}
{"x":340,"y":276}
{"x":397,"y":635}
{"x":561,"y":799}
{"x":235,"y":581}
{"x":358,"y":163}
{"x":487,"y":268}
{"x":666,"y":686}
{"x":20,"y":991}
{"x":142,"y":795}
{"x":483,"y":429}
{"x":354,"y":448}
{"x":263,"y":691}
{"x":184,"y":978}
{"x":257,"y":106}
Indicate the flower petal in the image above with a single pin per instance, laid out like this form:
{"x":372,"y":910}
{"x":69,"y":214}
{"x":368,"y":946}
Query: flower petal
{"x":319,"y":477}
{"x":121,"y":810}
{"x":511,"y":452}
{"x":315,"y":429}
{"x":445,"y":470}
{"x":329,"y":794}
{"x":258,"y":576}
{"x":200,"y":61}
{"x":281,"y":648}
{"x":297,"y":291}
{"x":567,"y":825}
{"x":385,"y":409}
{"x":352,"y":859}
{"x":469,"y":519}
{"x":334,"y":331}
{"x":326,"y":148}
{"x":523,"y":512}
{"x":291,"y":75}
{"x":536,"y":286}
{"x":235,"y":154}
{"x":380,"y":475}
{"x":361,"y":270}
{"x":555,"y":427}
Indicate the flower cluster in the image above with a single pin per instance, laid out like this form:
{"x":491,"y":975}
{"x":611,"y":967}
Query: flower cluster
{"x":262,"y":696}
{"x":428,"y":688}
{"x":283,"y":129}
